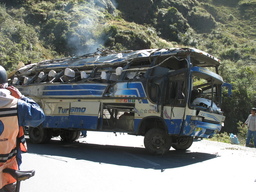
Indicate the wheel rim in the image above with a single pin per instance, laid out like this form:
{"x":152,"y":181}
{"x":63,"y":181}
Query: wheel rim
{"x":158,"y":141}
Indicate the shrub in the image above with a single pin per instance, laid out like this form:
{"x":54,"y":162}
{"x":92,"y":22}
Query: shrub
{"x":242,"y":132}
{"x":221,"y":137}
{"x":231,"y":54}
{"x":201,"y":21}
{"x":172,"y":10}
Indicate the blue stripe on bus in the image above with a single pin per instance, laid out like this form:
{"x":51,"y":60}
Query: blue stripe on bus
{"x":72,"y":121}
{"x":138,"y":86}
{"x":73,"y":93}
{"x":73,"y":90}
{"x":71,"y":87}
{"x":132,"y":89}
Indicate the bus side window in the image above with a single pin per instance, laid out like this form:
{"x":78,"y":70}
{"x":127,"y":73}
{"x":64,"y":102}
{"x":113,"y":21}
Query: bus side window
{"x":172,"y":91}
{"x":175,"y":93}
{"x":180,"y":94}
{"x":153,"y":93}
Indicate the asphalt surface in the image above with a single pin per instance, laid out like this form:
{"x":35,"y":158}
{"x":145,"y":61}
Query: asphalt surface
{"x":104,"y":162}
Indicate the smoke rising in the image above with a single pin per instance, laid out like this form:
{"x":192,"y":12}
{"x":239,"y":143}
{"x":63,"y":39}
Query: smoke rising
{"x":88,"y":32}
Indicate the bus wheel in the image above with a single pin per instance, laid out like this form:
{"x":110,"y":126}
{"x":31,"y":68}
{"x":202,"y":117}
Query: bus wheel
{"x":69,"y":136}
{"x":183,"y":143}
{"x":156,"y":141}
{"x":39,"y":135}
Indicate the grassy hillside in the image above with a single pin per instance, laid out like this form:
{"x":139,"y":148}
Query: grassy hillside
{"x":35,"y":30}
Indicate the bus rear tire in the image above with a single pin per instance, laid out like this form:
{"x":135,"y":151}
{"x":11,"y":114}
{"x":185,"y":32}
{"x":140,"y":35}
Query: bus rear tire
{"x":156,"y":141}
{"x":69,"y":136}
{"x":39,"y":135}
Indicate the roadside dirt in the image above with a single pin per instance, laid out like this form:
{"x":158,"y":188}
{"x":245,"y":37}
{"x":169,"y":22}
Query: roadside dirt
{"x":221,"y":149}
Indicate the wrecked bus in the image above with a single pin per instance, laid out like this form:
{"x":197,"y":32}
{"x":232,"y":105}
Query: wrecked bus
{"x":169,"y":96}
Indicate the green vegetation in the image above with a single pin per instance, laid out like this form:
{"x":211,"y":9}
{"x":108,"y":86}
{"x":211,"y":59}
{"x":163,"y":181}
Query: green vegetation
{"x":225,"y":137}
{"x":35,"y":30}
{"x":221,"y":137}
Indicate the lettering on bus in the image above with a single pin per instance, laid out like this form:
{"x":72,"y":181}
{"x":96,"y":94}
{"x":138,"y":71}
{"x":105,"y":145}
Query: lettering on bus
{"x":146,"y":111}
{"x":128,"y":100}
{"x":62,"y":110}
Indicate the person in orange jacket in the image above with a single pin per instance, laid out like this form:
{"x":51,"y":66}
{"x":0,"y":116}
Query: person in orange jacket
{"x":16,"y":112}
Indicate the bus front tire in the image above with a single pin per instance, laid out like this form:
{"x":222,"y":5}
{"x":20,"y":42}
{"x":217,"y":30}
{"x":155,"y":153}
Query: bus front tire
{"x":156,"y":141}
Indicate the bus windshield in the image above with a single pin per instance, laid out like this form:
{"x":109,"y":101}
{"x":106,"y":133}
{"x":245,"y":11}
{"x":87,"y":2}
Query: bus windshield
{"x":206,"y":90}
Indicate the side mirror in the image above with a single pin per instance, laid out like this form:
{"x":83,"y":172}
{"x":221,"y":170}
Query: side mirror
{"x":229,"y":87}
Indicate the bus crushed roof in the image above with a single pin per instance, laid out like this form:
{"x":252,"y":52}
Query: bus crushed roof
{"x":105,"y":58}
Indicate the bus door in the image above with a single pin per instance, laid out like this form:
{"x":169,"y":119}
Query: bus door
{"x":174,"y":100}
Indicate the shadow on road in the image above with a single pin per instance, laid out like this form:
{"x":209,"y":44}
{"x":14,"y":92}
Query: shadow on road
{"x":119,"y":155}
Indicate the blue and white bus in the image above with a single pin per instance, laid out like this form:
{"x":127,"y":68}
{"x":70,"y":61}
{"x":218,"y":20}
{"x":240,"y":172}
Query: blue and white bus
{"x":169,"y":96}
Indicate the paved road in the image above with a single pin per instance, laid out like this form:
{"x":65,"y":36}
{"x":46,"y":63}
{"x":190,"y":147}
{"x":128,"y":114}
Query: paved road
{"x":108,"y":163}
